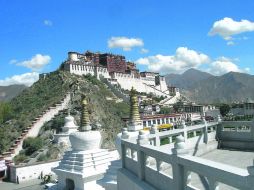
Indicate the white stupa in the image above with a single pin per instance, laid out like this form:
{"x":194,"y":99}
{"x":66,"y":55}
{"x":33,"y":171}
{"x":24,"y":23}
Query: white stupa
{"x":68,"y":128}
{"x":86,"y":162}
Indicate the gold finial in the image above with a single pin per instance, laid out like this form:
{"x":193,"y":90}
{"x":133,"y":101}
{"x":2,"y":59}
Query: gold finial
{"x":85,"y":122}
{"x":134,"y":111}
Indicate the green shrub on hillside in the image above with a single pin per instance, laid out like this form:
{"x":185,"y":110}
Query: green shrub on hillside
{"x":31,"y":145}
{"x":5,"y":111}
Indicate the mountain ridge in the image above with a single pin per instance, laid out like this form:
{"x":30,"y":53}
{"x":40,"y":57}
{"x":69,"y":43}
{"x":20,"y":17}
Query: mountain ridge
{"x":11,"y":91}
{"x":207,"y":88}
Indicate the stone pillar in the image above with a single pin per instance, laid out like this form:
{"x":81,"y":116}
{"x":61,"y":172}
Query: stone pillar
{"x":125,"y":134}
{"x":142,"y":161}
{"x":154,"y":130}
{"x":252,"y":129}
{"x":180,"y":174}
{"x":219,"y":120}
{"x":170,"y":139}
{"x":183,"y":126}
{"x":205,"y":131}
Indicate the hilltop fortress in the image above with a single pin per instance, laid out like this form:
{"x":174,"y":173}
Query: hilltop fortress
{"x":116,"y":70}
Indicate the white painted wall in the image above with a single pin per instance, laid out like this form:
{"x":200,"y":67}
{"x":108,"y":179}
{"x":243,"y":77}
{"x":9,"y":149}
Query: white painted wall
{"x":29,"y":172}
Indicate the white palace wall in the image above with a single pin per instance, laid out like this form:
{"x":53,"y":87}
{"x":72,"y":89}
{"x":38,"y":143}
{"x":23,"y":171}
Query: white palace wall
{"x":127,"y":81}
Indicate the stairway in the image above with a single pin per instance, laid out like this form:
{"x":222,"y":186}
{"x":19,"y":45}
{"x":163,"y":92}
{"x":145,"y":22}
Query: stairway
{"x":34,"y":129}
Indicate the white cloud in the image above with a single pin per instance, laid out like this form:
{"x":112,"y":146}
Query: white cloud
{"x":227,"y":27}
{"x":181,"y":61}
{"x":36,"y":63}
{"x":48,"y":22}
{"x":143,"y":50}
{"x":13,"y":61}
{"x":125,"y":43}
{"x":27,"y":79}
{"x":224,"y":65}
{"x":230,"y":43}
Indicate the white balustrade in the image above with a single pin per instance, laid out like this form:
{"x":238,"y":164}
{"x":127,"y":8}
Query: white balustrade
{"x":182,"y":166}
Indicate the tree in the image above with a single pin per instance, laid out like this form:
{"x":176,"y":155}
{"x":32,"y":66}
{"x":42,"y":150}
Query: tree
{"x":224,"y":109}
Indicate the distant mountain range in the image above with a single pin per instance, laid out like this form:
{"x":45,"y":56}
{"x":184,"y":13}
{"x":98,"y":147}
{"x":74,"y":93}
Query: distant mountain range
{"x":9,"y":92}
{"x":203,"y":87}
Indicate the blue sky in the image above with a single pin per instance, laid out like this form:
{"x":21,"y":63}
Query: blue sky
{"x":162,"y":36}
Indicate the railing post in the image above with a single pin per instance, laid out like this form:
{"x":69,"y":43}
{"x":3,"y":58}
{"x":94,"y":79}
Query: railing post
{"x":179,"y":170}
{"x":185,"y":135}
{"x":170,"y":139}
{"x":252,"y":129}
{"x":154,"y":130}
{"x":125,"y":133}
{"x":142,"y":140}
{"x":251,"y":177}
{"x":158,"y":165}
{"x":219,"y":119}
{"x":133,"y":155}
{"x":213,"y":185}
{"x":123,"y":154}
{"x":205,"y":131}
{"x":187,"y":177}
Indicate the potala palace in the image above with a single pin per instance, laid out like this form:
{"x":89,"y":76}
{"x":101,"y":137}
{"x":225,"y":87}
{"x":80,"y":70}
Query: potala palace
{"x":117,"y":71}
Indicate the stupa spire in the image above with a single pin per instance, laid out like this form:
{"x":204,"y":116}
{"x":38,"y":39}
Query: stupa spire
{"x":84,"y":122}
{"x":134,"y":109}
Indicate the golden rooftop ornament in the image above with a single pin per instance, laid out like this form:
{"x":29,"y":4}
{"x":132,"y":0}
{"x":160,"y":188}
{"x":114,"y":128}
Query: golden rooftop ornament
{"x":134,"y":109}
{"x":85,"y":122}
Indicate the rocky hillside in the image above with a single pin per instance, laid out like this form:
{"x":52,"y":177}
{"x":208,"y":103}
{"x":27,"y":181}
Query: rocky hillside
{"x":9,"y":92}
{"x":202,"y":87}
{"x":105,"y":113}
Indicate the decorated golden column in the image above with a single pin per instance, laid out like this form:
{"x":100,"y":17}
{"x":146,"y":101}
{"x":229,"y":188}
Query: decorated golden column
{"x":85,"y":122}
{"x":135,"y":122}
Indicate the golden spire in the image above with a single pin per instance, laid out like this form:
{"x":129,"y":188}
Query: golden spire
{"x":85,"y":122}
{"x":134,"y":111}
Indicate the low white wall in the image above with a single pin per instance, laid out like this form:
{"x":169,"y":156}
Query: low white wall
{"x":29,"y":172}
{"x":236,"y":135}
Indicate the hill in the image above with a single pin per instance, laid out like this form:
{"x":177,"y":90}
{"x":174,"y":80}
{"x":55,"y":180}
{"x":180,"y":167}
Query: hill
{"x":187,"y":79}
{"x":228,"y":88}
{"x":9,"y":92}
{"x":105,"y":113}
{"x":202,"y":87}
